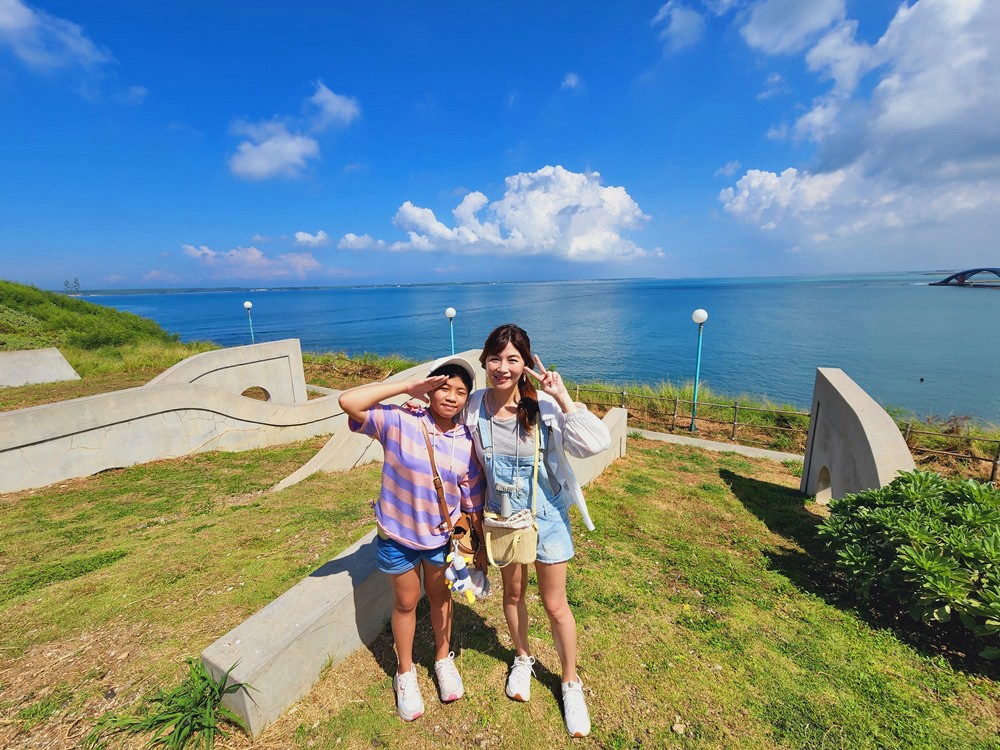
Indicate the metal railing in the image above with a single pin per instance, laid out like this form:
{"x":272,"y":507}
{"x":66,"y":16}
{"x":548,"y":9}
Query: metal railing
{"x":622,"y":398}
{"x":908,"y":432}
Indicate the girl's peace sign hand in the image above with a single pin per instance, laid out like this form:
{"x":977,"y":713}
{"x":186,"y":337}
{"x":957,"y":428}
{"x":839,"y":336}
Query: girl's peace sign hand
{"x":550,"y":380}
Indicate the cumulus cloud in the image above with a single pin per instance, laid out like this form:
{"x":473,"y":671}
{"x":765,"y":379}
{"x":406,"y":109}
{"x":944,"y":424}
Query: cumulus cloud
{"x":333,"y":109}
{"x":916,"y":146}
{"x":312,"y":240}
{"x":284,"y":146}
{"x":782,"y":26}
{"x":251,"y":263}
{"x":271,"y":151}
{"x":551,"y":211}
{"x":45,"y":42}
{"x":682,"y":27}
{"x":572,"y":82}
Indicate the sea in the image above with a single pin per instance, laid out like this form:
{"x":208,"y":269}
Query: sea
{"x":915,"y":348}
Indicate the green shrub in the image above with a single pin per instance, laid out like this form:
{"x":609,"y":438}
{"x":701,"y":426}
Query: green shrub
{"x":930,"y":544}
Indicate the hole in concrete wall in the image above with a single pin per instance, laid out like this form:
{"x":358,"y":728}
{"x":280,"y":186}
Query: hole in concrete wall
{"x":258,"y":393}
{"x":823,"y":491}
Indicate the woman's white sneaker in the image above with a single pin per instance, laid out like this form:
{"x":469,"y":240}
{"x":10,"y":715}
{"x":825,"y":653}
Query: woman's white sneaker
{"x":450,"y":686}
{"x":575,"y":709}
{"x":409,"y":702}
{"x":519,"y":679}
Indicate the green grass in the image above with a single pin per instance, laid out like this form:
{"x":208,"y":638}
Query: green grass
{"x":31,"y":318}
{"x":701,"y":599}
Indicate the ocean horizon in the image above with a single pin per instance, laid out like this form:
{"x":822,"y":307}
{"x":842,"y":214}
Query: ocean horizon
{"x":911,"y":346}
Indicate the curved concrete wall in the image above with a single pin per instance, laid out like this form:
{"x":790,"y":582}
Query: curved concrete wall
{"x":194,"y":406}
{"x":853,"y":444}
{"x":275,"y":366}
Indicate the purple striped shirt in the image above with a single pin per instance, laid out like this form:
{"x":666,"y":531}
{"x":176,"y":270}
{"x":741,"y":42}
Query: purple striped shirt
{"x":408,"y":509}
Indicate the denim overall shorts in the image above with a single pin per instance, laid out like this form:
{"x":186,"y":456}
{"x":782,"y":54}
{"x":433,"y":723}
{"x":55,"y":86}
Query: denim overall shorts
{"x":504,"y":473}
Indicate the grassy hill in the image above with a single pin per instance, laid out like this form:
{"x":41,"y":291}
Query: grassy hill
{"x":31,"y":318}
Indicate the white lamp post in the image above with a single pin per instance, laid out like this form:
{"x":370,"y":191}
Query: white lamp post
{"x":246,"y":306}
{"x":450,"y":314}
{"x":699,"y":316}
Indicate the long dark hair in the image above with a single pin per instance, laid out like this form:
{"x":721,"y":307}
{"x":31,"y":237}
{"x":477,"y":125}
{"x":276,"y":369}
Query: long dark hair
{"x":496,"y":342}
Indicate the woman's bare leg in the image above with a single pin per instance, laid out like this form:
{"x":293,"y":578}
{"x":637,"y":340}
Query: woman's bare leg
{"x":515,"y":610}
{"x":552,"y":587}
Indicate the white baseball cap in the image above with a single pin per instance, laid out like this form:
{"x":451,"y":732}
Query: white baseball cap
{"x":457,"y":361}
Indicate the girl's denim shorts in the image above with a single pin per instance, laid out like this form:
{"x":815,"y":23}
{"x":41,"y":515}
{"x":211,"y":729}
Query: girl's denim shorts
{"x":395,"y":558}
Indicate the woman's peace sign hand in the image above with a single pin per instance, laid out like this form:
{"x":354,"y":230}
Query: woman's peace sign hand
{"x":550,"y":380}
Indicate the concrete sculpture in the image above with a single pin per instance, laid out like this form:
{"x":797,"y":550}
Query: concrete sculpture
{"x":853,"y":443}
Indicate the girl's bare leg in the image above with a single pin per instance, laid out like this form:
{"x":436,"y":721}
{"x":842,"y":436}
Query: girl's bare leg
{"x":406,"y":594}
{"x":439,"y":597}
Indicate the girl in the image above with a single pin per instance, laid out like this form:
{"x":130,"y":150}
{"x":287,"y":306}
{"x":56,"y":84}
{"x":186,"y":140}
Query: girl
{"x":503,"y":418}
{"x":412,"y":535}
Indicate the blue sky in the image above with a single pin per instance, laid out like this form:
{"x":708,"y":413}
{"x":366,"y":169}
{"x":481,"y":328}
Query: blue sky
{"x":303,"y":143}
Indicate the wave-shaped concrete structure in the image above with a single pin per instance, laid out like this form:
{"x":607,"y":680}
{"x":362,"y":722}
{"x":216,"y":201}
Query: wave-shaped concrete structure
{"x":194,"y":406}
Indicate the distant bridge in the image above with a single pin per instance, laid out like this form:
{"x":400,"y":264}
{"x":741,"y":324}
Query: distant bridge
{"x":964,"y":278}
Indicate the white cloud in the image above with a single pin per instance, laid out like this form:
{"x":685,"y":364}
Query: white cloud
{"x":333,"y":109}
{"x":279,"y":147}
{"x":838,"y":56}
{"x":781,"y":26}
{"x":552,"y":211}
{"x":773,"y":86}
{"x":45,"y":42}
{"x":914,"y":154}
{"x":351,"y":241}
{"x":721,"y":7}
{"x":571,"y":82}
{"x":682,"y":26}
{"x":251,"y":263}
{"x":271,"y":151}
{"x":158,"y":275}
{"x":728,"y":169}
{"x":133,"y":95}
{"x":309,"y":240}
{"x":819,"y":122}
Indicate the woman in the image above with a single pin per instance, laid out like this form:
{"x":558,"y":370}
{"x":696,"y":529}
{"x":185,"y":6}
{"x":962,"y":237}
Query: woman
{"x":412,"y":534}
{"x":503,"y":419}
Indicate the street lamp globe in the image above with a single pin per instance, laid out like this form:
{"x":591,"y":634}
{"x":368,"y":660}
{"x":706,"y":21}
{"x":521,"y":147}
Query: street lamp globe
{"x":450,"y":313}
{"x":247,"y":305}
{"x":699,"y":316}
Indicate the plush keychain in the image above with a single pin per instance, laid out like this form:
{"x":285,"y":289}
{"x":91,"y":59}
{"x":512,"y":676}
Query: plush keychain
{"x":473,"y":583}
